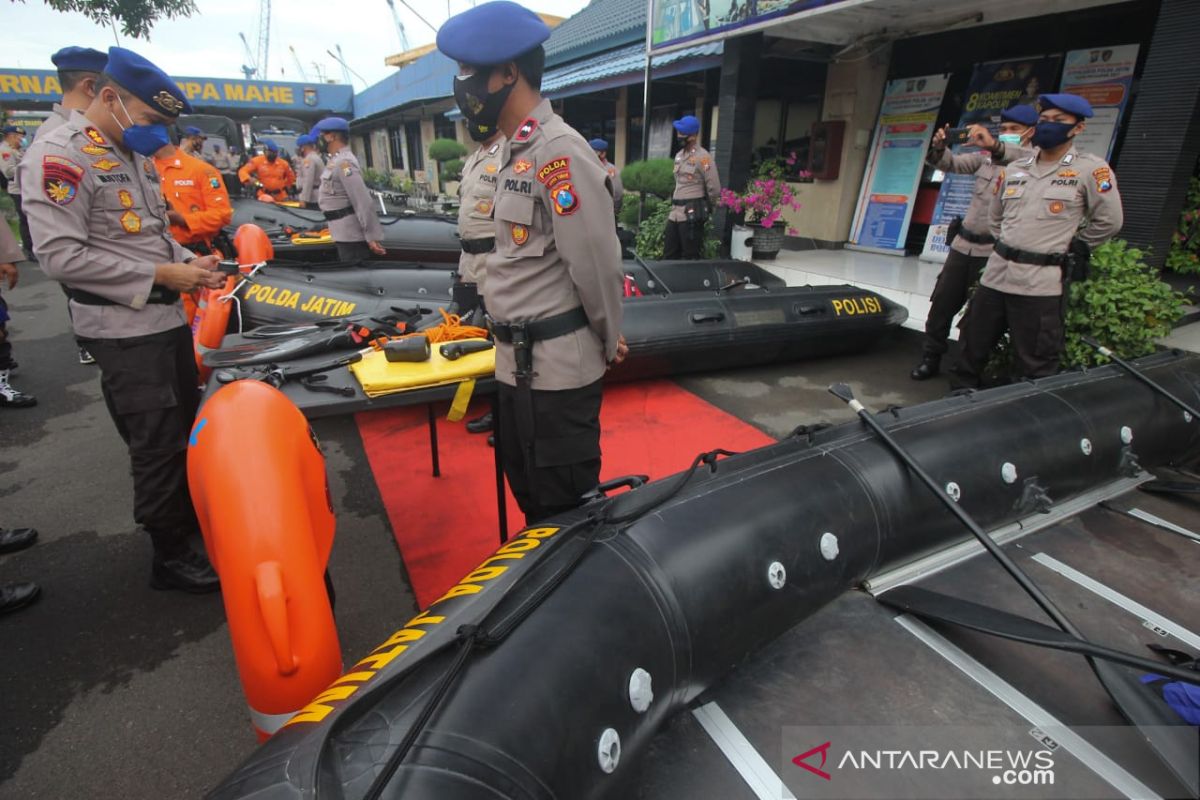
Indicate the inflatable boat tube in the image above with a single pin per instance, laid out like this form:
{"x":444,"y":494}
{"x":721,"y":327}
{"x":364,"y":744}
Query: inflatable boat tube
{"x":580,"y":638}
{"x":685,"y":315}
{"x":268,"y":527}
{"x":299,"y":233}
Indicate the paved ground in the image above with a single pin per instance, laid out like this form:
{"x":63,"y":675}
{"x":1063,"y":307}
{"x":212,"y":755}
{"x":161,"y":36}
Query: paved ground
{"x":110,"y":689}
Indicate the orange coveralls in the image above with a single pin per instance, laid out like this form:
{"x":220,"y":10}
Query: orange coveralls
{"x":276,"y":178}
{"x":195,"y":190}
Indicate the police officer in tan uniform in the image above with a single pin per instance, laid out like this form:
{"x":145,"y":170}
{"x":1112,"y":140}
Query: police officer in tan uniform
{"x":344,"y":198}
{"x":477,"y":194}
{"x":78,"y":70}
{"x":11,"y":153}
{"x":969,"y":238}
{"x":554,"y":283}
{"x":1048,"y":211}
{"x":614,"y":174}
{"x":311,"y":167}
{"x":100,"y":227}
{"x":697,"y":188}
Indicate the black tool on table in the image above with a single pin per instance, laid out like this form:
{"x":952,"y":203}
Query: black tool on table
{"x":452,"y":351}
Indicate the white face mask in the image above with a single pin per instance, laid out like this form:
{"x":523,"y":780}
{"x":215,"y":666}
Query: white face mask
{"x":1010,"y":138}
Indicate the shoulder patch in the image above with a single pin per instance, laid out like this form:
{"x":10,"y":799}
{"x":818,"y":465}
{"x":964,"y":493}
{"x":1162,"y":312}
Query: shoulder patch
{"x":526,"y":130}
{"x":555,"y":171}
{"x":566,"y":202}
{"x":95,"y":136}
{"x":347,"y":167}
{"x":1103,"y":178}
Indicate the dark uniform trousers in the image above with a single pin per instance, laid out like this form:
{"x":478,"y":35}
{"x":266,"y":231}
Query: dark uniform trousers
{"x":1035,"y":330}
{"x":5,"y":345}
{"x":682,"y":240}
{"x":566,"y":448}
{"x":353,"y":252}
{"x":149,"y":384}
{"x":958,"y":274}
{"x":23,"y":225}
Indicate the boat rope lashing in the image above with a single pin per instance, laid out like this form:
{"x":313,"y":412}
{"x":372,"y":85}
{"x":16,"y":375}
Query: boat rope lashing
{"x":231,"y":295}
{"x":450,"y":329}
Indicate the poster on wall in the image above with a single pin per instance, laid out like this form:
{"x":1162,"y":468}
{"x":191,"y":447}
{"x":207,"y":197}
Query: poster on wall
{"x":1104,"y":76}
{"x":994,"y":86}
{"x":889,"y":188}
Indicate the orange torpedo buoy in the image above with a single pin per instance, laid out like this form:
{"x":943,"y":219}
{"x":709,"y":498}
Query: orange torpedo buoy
{"x":253,"y":246}
{"x":210,"y":322}
{"x":258,"y":482}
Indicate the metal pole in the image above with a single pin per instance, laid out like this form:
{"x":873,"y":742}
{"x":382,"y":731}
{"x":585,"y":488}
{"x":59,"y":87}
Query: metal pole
{"x":646,"y":104}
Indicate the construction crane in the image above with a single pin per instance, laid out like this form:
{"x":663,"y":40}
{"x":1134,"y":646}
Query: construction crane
{"x":399,"y":27}
{"x":249,"y":68}
{"x":299,"y":66}
{"x":346,"y":71}
{"x":264,"y":37}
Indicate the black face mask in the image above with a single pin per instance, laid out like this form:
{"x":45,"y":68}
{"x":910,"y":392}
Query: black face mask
{"x":479,"y":132}
{"x":480,"y":107}
{"x":272,"y":156}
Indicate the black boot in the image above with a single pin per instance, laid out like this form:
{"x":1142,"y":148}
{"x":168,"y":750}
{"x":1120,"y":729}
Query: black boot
{"x":187,"y":572}
{"x":930,"y":365}
{"x":17,"y":595}
{"x":481,"y":424}
{"x":14,"y":539}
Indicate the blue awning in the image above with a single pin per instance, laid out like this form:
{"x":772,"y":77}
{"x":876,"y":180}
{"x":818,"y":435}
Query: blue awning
{"x":430,"y":77}
{"x":625,"y":66}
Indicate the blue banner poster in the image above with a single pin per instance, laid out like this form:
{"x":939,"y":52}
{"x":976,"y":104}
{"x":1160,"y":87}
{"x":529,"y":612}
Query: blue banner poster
{"x":994,"y":86}
{"x":889,"y":188}
{"x":1104,"y":76}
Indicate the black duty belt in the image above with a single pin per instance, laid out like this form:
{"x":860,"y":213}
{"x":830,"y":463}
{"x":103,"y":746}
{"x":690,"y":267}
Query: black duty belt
{"x":976,"y":238}
{"x":675,"y":202}
{"x":330,"y":216}
{"x":539,"y":329}
{"x":477,"y":246}
{"x":1029,"y":257}
{"x":158,"y":296}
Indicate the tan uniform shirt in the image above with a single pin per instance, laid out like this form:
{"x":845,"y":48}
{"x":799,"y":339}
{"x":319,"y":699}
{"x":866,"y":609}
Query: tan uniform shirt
{"x":10,"y":251}
{"x":695,"y":176}
{"x":618,"y":189}
{"x":58,"y":115}
{"x":310,"y":177}
{"x":10,"y":157}
{"x":556,"y":250}
{"x":342,"y":186}
{"x":99,"y":224}
{"x":476,"y":194}
{"x":987,"y":169}
{"x":1040,"y":208}
{"x":223,"y":161}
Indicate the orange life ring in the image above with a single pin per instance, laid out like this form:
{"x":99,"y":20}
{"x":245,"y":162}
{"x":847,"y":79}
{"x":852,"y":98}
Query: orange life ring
{"x":258,"y":482}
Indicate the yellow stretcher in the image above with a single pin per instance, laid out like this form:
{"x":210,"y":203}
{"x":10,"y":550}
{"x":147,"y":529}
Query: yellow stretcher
{"x":380,"y":377}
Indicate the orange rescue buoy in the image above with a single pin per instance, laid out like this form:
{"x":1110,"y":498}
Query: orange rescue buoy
{"x":253,"y":246}
{"x":211,"y":322}
{"x":258,"y":482}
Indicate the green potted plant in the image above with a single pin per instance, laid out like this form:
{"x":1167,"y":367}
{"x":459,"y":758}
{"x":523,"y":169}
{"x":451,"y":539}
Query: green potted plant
{"x":762,"y":204}
{"x":442,"y":151}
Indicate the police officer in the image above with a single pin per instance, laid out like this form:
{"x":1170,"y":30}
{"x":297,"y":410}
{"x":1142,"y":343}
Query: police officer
{"x":311,"y":167}
{"x":344,"y":198}
{"x":697,"y":188}
{"x":970,"y":238}
{"x":192,"y":142}
{"x":614,"y":174}
{"x":10,"y":254}
{"x":100,"y":227}
{"x":198,"y":203}
{"x":11,"y":153}
{"x":554,"y":283}
{"x":1048,"y":210}
{"x":273,"y":173}
{"x":78,"y":69}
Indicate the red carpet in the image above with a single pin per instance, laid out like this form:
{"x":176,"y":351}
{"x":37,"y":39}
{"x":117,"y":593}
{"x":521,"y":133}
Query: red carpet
{"x":445,"y":526}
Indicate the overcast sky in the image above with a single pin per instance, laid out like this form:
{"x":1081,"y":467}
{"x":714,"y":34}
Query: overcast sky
{"x":207,"y":44}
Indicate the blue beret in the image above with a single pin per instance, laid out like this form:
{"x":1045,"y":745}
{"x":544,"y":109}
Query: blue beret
{"x":146,"y":82}
{"x":11,"y":129}
{"x":491,"y":33}
{"x":331,"y":124}
{"x":270,"y":145}
{"x":598,"y":144}
{"x":688,"y":126}
{"x":1071,"y":103}
{"x":83,"y":59}
{"x":192,"y":130}
{"x":1022,"y":115}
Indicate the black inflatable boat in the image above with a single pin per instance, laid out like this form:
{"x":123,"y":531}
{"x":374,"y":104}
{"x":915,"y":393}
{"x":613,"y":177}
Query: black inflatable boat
{"x":547,"y":671}
{"x":300,"y":234}
{"x":680,"y":316}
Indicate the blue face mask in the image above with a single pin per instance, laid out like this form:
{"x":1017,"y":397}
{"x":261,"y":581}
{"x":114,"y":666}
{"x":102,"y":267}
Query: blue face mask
{"x":1048,"y":135}
{"x":145,"y":140}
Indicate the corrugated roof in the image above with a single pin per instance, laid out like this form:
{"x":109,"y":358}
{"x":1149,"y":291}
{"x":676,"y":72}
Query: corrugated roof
{"x":430,"y":77}
{"x":602,"y":25}
{"x":628,"y":62}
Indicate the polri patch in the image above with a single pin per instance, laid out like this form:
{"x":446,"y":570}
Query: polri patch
{"x":520,"y":234}
{"x":131,"y":222}
{"x":555,"y":171}
{"x":526,"y":130}
{"x":522,"y":166}
{"x":566,"y":202}
{"x":95,"y":136}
